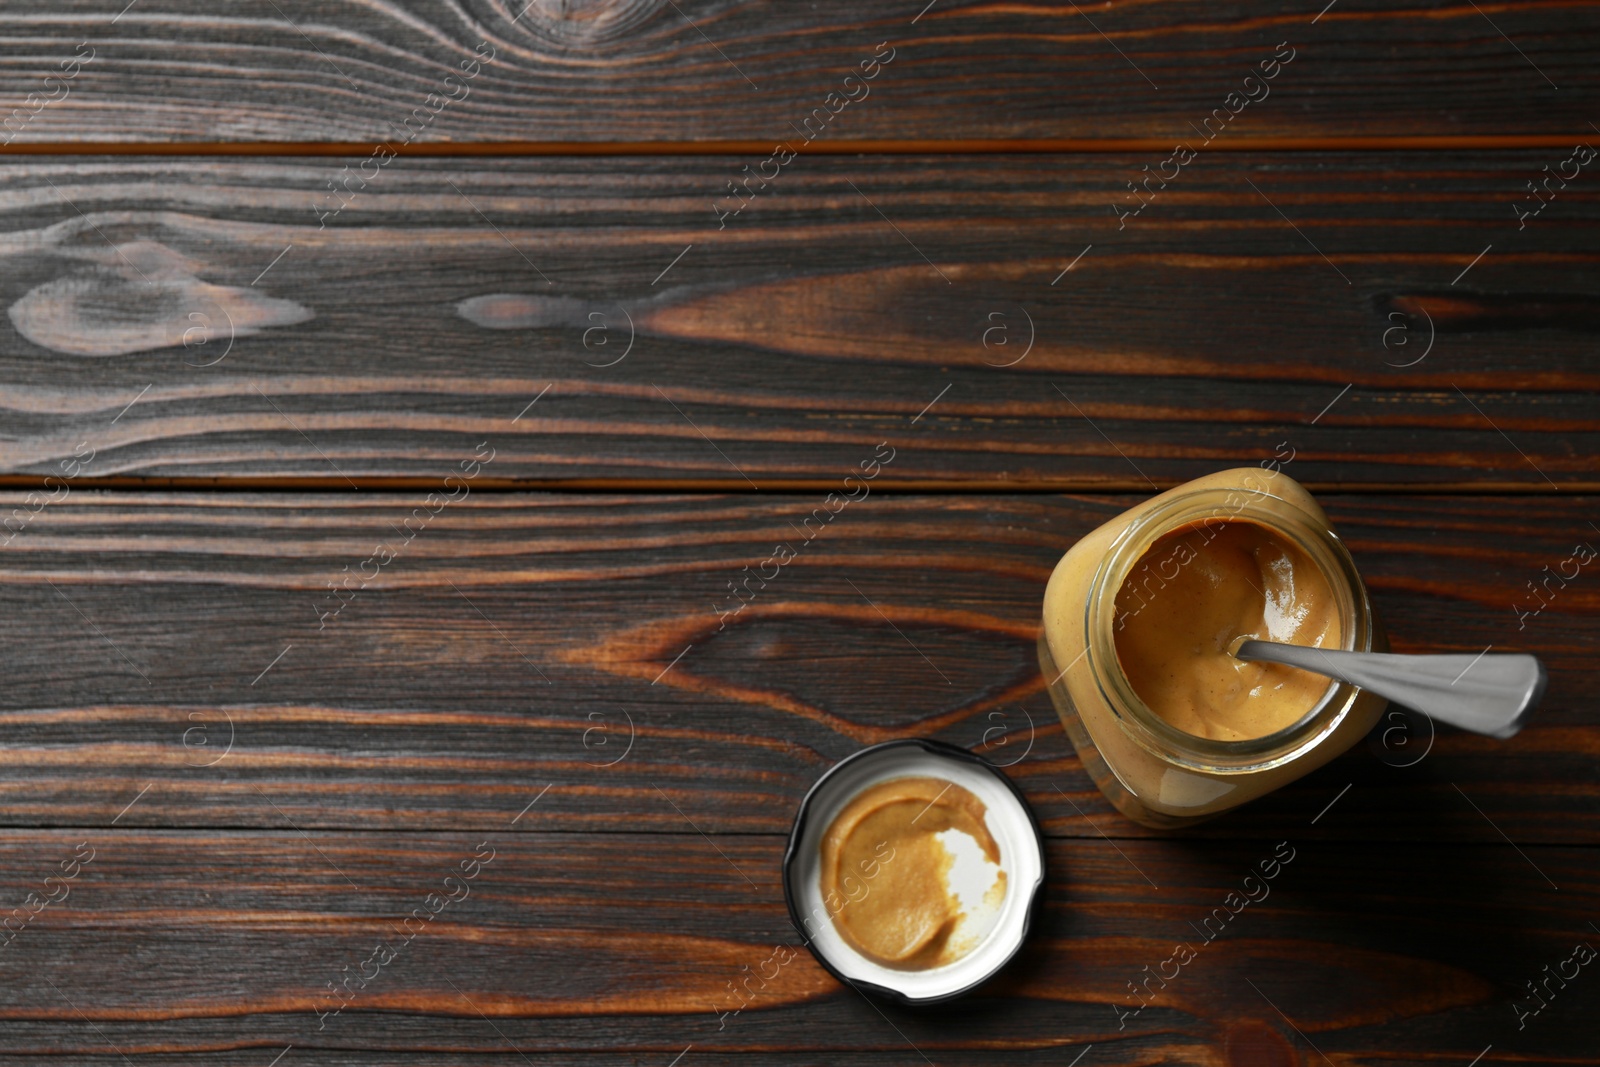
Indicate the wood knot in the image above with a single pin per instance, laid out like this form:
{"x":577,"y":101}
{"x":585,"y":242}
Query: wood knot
{"x":586,"y":23}
{"x":145,"y":297}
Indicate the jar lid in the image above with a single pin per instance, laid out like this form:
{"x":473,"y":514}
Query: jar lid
{"x":1006,"y":816}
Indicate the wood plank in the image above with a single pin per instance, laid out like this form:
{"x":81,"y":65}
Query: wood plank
{"x":1392,"y":326}
{"x":186,"y":649}
{"x":182,"y":943}
{"x":642,"y":70}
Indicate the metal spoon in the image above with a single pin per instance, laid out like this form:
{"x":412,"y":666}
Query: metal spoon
{"x":1486,"y":694}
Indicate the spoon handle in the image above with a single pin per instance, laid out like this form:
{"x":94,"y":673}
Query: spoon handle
{"x":1487,"y":694}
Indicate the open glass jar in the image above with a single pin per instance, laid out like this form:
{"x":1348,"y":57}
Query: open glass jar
{"x":1155,"y":773}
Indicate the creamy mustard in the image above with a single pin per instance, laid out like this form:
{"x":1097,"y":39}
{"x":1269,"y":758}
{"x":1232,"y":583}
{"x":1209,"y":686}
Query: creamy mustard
{"x":886,"y":873}
{"x":1195,"y":593}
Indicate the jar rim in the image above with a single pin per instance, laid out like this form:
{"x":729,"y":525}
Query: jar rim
{"x":1153,"y":733}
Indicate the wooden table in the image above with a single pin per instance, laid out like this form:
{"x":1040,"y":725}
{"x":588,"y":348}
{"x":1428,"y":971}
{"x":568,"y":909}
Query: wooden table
{"x":395,"y":392}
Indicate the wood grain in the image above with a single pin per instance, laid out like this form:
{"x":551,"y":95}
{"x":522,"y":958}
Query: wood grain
{"x":1381,"y":318}
{"x":186,"y":649}
{"x":227,"y":940}
{"x":641,"y":70}
{"x":275,"y":763}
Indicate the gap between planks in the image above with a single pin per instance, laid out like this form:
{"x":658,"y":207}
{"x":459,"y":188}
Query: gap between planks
{"x":770,"y":487}
{"x":1101,"y":146}
{"x":1212,"y":833}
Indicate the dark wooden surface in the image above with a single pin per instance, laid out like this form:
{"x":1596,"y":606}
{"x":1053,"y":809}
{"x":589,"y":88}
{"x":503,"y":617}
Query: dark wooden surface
{"x":521,"y":641}
{"x":429,"y":312}
{"x":222,"y":384}
{"x":646,"y":70}
{"x":624,"y":945}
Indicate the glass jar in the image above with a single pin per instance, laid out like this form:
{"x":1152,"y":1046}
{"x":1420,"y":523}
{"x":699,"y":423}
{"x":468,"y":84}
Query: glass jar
{"x":1155,"y":773}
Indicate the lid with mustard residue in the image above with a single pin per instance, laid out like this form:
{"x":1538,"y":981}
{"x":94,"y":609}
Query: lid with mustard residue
{"x":913,"y":869}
